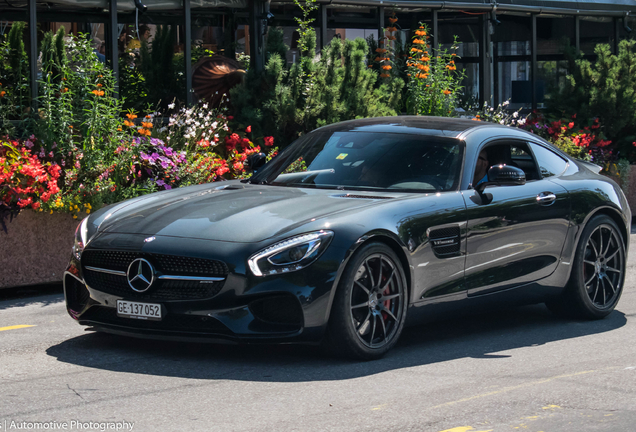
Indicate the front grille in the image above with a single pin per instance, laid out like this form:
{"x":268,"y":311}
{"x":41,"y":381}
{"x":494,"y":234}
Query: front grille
{"x":166,"y":264}
{"x":445,"y":241}
{"x":171,"y":322}
{"x":161,"y":290}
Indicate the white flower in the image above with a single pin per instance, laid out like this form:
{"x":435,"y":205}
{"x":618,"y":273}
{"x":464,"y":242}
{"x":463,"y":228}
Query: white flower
{"x":522,"y":121}
{"x":515,"y":114}
{"x":506,"y":103}
{"x":171,"y":106}
{"x":502,"y":122}
{"x":205,"y":106}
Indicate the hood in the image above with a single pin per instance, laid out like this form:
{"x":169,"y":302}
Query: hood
{"x":233,"y":212}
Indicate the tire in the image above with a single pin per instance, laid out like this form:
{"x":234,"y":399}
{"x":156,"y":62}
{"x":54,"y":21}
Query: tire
{"x":598,"y":272}
{"x":370,"y":305}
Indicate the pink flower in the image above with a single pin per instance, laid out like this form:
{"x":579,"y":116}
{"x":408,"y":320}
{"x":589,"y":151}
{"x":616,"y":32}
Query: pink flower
{"x":269,"y":141}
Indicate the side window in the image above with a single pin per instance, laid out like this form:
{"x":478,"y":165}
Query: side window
{"x":550,"y":164}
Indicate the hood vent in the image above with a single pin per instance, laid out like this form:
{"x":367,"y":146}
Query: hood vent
{"x":372,"y":197}
{"x":445,"y":241}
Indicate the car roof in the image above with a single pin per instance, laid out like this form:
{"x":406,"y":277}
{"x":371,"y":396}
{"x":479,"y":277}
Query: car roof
{"x":417,"y":125}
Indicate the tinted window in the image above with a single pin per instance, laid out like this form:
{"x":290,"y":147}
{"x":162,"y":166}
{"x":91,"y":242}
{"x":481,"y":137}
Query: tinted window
{"x":550,"y":164}
{"x":364,"y":160}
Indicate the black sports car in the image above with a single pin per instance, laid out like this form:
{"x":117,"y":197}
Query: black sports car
{"x":351,"y":230}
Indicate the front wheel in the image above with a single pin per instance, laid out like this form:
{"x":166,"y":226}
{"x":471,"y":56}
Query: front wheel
{"x":369,"y":306}
{"x":598,"y":272}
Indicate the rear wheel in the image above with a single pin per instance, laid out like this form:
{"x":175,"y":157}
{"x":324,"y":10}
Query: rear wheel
{"x":598,"y":272}
{"x":369,"y":306}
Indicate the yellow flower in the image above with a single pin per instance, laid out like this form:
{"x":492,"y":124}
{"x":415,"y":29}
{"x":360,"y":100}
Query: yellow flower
{"x":88,"y":211}
{"x":75,"y":217}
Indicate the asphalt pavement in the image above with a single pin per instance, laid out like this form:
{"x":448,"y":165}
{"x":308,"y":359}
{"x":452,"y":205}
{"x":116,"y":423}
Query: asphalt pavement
{"x":520,"y":369}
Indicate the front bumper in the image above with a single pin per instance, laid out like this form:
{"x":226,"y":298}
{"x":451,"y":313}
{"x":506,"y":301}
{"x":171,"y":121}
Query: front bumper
{"x":284,"y":308}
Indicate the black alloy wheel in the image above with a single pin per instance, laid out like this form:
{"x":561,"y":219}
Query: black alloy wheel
{"x":370,"y":304}
{"x":598,"y":272}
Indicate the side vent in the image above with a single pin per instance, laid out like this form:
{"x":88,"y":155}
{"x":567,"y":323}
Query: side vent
{"x":445,"y":241}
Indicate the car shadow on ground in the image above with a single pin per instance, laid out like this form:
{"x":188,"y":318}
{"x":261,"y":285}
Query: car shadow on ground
{"x":23,"y":296}
{"x":480,"y":336}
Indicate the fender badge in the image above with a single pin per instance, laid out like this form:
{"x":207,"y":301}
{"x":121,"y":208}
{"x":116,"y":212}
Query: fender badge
{"x":149,"y":239}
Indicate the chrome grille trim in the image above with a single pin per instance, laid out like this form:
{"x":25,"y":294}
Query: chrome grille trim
{"x":192,"y":278}
{"x":102,"y":270}
{"x":163,"y":277}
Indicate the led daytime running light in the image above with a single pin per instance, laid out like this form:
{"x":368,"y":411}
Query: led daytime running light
{"x":313,"y":238}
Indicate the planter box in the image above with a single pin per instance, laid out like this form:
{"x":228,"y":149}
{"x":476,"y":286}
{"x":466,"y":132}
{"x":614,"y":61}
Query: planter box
{"x":36,"y":249}
{"x":631,"y":191}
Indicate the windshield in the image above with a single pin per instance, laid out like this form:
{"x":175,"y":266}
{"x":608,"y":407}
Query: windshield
{"x":366,"y":160}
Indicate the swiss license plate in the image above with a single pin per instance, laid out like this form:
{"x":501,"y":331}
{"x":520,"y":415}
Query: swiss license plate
{"x":136,"y":310}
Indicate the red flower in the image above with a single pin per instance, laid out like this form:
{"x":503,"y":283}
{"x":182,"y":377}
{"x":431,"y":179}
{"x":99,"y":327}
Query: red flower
{"x":230,"y":117}
{"x":248,"y":129}
{"x":269,"y":141}
{"x":571,"y":125}
{"x":238,"y":166}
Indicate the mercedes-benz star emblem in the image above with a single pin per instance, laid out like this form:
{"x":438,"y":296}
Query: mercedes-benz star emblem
{"x":140,"y":275}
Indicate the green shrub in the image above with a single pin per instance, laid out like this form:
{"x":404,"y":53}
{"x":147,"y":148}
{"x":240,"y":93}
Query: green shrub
{"x":603,"y":89}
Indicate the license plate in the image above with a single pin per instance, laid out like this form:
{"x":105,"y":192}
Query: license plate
{"x":136,"y":310}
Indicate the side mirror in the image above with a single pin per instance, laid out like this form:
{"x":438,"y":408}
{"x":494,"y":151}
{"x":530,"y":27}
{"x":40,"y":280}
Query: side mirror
{"x":503,"y":175}
{"x":254,"y":162}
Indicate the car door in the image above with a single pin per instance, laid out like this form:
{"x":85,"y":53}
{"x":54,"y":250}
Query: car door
{"x":515,"y":234}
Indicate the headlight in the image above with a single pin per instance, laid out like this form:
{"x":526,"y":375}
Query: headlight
{"x":290,"y":255}
{"x":81,"y":234}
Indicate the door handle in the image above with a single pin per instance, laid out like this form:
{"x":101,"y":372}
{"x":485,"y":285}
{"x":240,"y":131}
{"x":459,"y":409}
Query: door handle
{"x":546,"y":198}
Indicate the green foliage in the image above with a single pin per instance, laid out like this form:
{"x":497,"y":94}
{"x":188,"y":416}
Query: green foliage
{"x":604,"y":89}
{"x":275,"y":43}
{"x":288,"y":102}
{"x":159,"y":68}
{"x":14,"y":77}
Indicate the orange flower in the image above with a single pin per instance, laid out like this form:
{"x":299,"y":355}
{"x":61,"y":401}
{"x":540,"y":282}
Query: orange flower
{"x":393,"y":20}
{"x":380,"y":50}
{"x":420,"y":32}
{"x":418,"y":41}
{"x":386,"y":67}
{"x":424,"y":68}
{"x":451,"y":67}
{"x":416,"y":50}
{"x":98,"y":92}
{"x":131,"y":116}
{"x":143,"y":131}
{"x":370,"y":66}
{"x":148,"y":116}
{"x":408,"y":74}
{"x":99,"y":85}
{"x":391,"y":29}
{"x":378,"y":59}
{"x":65,"y":89}
{"x":447,"y":92}
{"x":146,"y":125}
{"x":128,"y":123}
{"x":100,"y":76}
{"x":70,"y":126}
{"x":391,"y":37}
{"x":384,"y":75}
{"x":425,"y":59}
{"x":2,"y":93}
